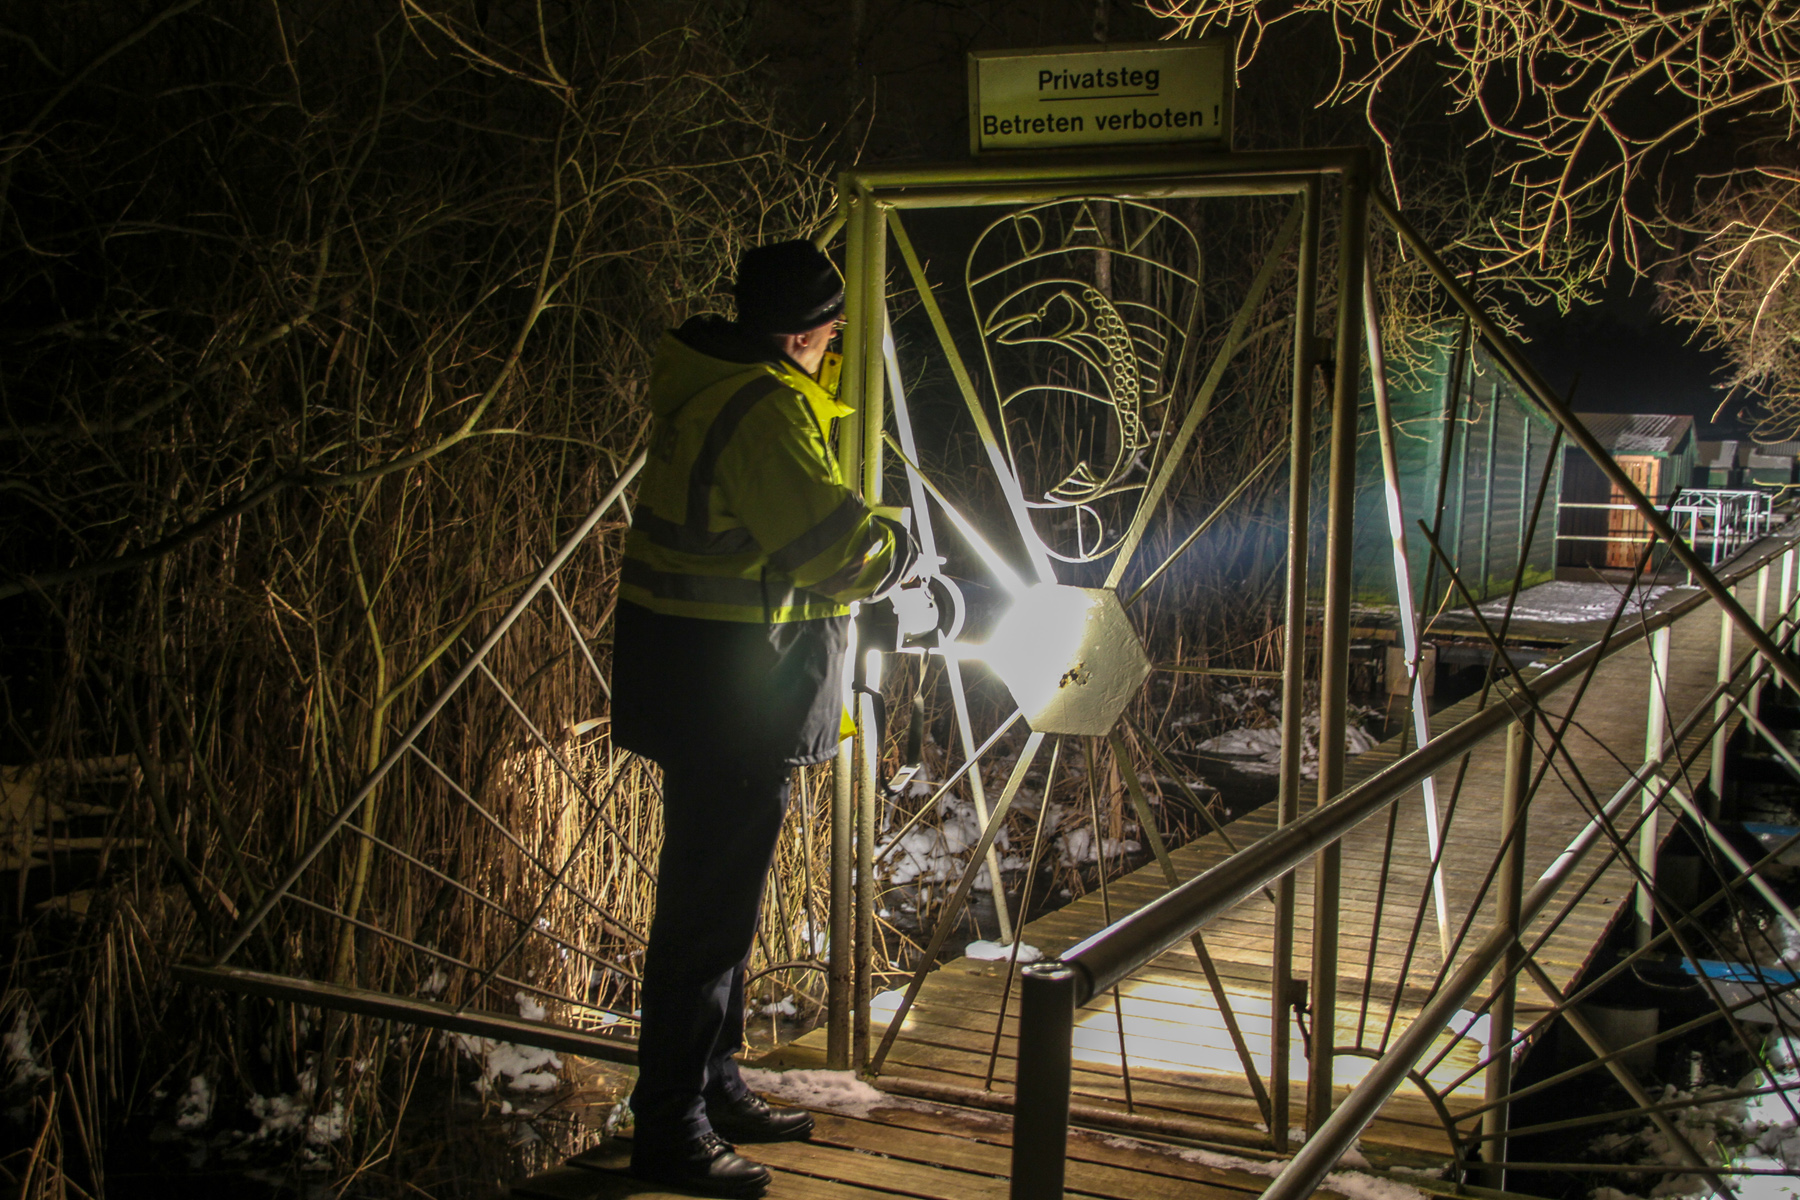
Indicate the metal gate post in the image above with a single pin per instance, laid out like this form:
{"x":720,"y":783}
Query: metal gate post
{"x":872,"y":418}
{"x":1041,"y":1104}
{"x":1293,"y":649}
{"x":1334,"y":669}
{"x":1509,"y":890}
{"x":840,"y":978}
{"x":1656,"y":724}
{"x":868,"y":772}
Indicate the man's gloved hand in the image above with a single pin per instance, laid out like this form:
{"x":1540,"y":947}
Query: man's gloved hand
{"x":915,"y":611}
{"x":906,"y":564}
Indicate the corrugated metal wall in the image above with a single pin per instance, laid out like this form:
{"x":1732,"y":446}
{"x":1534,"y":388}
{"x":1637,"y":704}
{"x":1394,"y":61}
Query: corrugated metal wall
{"x":1499,"y":452}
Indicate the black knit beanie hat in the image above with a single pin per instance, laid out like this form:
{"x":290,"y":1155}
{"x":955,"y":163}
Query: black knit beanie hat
{"x":787,"y":287}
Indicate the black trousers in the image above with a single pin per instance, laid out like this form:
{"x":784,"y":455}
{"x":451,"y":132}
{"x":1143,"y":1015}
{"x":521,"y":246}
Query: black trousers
{"x":720,"y":825}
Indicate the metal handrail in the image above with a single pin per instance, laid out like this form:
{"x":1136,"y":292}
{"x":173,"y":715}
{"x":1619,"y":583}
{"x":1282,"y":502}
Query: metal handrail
{"x":1051,"y":991}
{"x":1130,"y":943}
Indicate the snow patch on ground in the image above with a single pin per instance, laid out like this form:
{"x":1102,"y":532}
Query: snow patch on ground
{"x":831,"y":1091}
{"x":1571,"y":602}
{"x":1757,"y":1133}
{"x":1000,"y":952}
{"x":21,"y":1056}
{"x":1078,"y":847}
{"x":509,"y":1065}
{"x":195,"y":1107}
{"x":291,"y":1116}
{"x":1353,"y":1184}
{"x":935,"y":855}
{"x":1257,"y":751}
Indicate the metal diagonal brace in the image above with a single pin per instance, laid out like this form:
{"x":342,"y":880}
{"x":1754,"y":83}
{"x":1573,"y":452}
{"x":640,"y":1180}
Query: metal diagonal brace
{"x":953,"y":908}
{"x":1203,"y":396}
{"x":1409,"y":617}
{"x":1308,"y":1168}
{"x":1522,"y":370}
{"x":1147,"y":825}
{"x":1626,"y":1079}
{"x":399,"y":749}
{"x":1009,"y":482}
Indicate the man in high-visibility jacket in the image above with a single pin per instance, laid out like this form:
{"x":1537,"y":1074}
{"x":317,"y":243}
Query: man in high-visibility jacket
{"x":746,"y":549}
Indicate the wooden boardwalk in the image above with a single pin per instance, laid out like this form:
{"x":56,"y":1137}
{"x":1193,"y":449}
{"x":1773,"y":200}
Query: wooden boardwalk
{"x":931,"y":1152}
{"x":1183,"y":1075}
{"x":1183,"y":1071}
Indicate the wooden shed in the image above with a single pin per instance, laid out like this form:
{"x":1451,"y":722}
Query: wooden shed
{"x":1719,"y":464}
{"x":1656,"y":450}
{"x":1491,"y":445}
{"x":1770,"y":464}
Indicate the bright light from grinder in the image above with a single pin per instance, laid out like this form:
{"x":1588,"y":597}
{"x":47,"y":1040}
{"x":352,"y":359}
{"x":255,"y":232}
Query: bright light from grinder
{"x":1069,"y":656}
{"x":1036,"y":642}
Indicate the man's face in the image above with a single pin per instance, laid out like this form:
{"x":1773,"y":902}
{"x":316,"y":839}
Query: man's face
{"x":808,"y":349}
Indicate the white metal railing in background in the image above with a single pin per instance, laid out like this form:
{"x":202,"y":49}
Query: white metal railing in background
{"x":1719,"y":521}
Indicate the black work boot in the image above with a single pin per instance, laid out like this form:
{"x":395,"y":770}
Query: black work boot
{"x":750,"y":1119}
{"x":703,"y":1164}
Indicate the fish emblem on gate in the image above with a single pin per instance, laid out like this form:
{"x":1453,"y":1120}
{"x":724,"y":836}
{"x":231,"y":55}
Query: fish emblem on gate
{"x":1084,"y":308}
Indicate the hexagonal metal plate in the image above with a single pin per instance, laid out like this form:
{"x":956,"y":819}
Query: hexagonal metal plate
{"x":1070,"y":658}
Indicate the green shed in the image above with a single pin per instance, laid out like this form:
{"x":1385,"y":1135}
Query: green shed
{"x":1498,"y":443}
{"x":1719,"y":464}
{"x":1770,"y":465}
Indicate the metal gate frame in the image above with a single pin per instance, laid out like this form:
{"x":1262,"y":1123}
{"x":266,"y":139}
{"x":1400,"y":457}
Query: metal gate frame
{"x":870,"y":202}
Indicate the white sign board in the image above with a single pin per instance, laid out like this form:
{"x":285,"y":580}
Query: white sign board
{"x":1101,"y":96}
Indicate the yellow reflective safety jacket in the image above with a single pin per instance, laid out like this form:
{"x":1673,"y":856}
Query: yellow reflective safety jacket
{"x":745,"y":551}
{"x":742,"y":513}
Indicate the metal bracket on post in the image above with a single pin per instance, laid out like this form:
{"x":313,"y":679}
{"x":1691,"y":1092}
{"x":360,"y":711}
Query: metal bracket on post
{"x":1040,"y":1141}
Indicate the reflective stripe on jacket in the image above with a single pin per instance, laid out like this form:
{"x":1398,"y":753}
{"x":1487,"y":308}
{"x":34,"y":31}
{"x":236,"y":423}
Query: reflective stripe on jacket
{"x":741,"y":511}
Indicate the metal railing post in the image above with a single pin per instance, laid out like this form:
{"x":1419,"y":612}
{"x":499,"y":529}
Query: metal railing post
{"x":1656,"y":724}
{"x":1334,"y":655}
{"x":1041,"y":1108}
{"x":1787,"y":591}
{"x":1510,"y":888}
{"x":1754,"y":703}
{"x":1293,"y":667}
{"x":1716,"y":768}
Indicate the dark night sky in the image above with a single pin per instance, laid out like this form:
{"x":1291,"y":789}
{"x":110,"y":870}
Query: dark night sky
{"x":1628,"y":357}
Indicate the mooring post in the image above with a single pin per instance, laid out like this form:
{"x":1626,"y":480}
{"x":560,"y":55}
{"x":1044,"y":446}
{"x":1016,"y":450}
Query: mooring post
{"x":1509,"y":890}
{"x":1656,"y":725}
{"x":1041,"y":1104}
{"x":1334,"y":653}
{"x":1293,"y":650}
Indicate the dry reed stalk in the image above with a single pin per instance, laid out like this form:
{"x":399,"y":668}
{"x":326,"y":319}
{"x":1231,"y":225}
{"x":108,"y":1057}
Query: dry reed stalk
{"x":401,"y":349}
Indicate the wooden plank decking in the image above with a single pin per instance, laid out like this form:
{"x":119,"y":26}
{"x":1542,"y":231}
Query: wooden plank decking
{"x":929,"y":1152}
{"x":1181,"y":1064}
{"x":1183,"y":1072}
